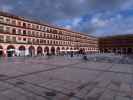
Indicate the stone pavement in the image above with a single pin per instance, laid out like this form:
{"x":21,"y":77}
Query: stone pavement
{"x":64,"y":78}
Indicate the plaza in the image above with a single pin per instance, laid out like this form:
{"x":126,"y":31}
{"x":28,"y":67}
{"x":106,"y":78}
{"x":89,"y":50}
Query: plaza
{"x":65,"y":78}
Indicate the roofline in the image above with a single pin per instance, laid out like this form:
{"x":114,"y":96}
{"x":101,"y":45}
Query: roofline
{"x":40,"y":23}
{"x":118,"y":35}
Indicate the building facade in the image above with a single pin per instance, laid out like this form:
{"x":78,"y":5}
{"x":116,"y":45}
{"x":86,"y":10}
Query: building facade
{"x":119,"y":44}
{"x":20,"y":36}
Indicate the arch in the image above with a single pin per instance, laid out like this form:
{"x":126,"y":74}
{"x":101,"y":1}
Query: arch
{"x":106,"y":50}
{"x":10,"y":47}
{"x":129,"y":51}
{"x":46,"y":50}
{"x":58,"y":49}
{"x":53,"y":50}
{"x":84,"y":50}
{"x":67,"y":48}
{"x":31,"y":50}
{"x":114,"y":50}
{"x":10,"y":51}
{"x":21,"y":50}
{"x":63,"y":48}
{"x":1,"y":47}
{"x":39,"y":51}
{"x":81,"y":51}
{"x":75,"y":48}
{"x":1,"y":51}
{"x":124,"y":50}
{"x":14,"y":31}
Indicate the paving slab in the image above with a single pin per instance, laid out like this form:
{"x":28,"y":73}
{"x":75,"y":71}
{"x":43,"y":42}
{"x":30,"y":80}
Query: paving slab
{"x":64,"y":78}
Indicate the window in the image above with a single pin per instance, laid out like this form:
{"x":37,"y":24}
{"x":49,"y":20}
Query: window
{"x":48,"y":29}
{"x":30,"y":40}
{"x":8,"y":20}
{"x":29,"y":32}
{"x":24,"y":24}
{"x":44,"y":35}
{"x":56,"y":42}
{"x":1,"y":28}
{"x":37,"y":27}
{"x":14,"y":39}
{"x":19,"y":38}
{"x":33,"y":33}
{"x":1,"y":19}
{"x":33,"y":26}
{"x":44,"y":41}
{"x":41,"y":41}
{"x":8,"y":39}
{"x":44,"y":29}
{"x":51,"y":42}
{"x":14,"y":22}
{"x":24,"y":32}
{"x":37,"y":34}
{"x":24,"y":39}
{"x":40,"y":27}
{"x":47,"y":41}
{"x":41,"y":34}
{"x":1,"y":38}
{"x":37,"y":41}
{"x":13,"y":31}
{"x":33,"y":40}
{"x":19,"y":23}
{"x":19,"y":31}
{"x":8,"y":29}
{"x":29,"y":25}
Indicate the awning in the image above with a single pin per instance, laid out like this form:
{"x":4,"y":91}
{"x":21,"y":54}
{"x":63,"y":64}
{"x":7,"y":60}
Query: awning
{"x":11,"y":50}
{"x":69,"y":50}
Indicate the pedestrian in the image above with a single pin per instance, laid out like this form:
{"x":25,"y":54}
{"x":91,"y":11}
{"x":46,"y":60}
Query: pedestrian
{"x":85,"y":57}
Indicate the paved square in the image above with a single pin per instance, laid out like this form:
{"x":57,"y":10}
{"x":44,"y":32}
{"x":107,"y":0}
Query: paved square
{"x":64,"y":78}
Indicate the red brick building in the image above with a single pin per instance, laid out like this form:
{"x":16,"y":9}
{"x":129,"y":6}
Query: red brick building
{"x":120,"y":44}
{"x":21,"y":36}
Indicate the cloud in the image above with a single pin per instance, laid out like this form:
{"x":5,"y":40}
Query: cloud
{"x":90,"y":16}
{"x":98,"y":22}
{"x":52,"y":10}
{"x":6,"y":8}
{"x":68,"y":27}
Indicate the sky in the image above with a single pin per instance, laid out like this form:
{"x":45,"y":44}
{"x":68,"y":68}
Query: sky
{"x":96,"y":17}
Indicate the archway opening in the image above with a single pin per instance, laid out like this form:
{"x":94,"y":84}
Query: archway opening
{"x":22,"y":51}
{"x":106,"y":50}
{"x":58,"y":50}
{"x":67,"y":48}
{"x":53,"y":50}
{"x":46,"y":50}
{"x":10,"y":51}
{"x":124,"y":51}
{"x":129,"y":51}
{"x":81,"y":51}
{"x":114,"y":50}
{"x":31,"y":51}
{"x":39,"y":51}
{"x":1,"y":51}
